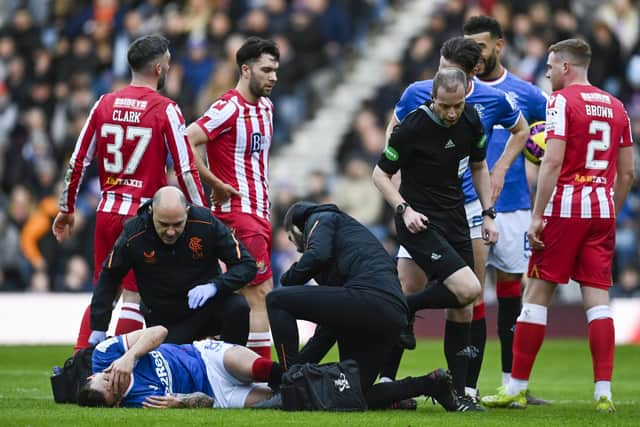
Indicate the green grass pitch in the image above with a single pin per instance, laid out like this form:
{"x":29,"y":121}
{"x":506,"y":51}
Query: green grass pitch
{"x":562,"y":373}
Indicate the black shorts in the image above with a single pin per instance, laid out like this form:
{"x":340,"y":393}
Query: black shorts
{"x":438,"y":257}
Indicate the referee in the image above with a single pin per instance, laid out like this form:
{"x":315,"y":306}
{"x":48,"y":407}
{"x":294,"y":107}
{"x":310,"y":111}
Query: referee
{"x":433,"y":147}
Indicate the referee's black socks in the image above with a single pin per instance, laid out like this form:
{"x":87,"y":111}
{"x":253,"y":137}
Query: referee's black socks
{"x":457,"y":339}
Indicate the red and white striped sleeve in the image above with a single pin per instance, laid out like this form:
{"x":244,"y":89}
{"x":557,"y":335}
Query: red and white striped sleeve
{"x":218,"y":118}
{"x":83,"y":154}
{"x":183,"y":161}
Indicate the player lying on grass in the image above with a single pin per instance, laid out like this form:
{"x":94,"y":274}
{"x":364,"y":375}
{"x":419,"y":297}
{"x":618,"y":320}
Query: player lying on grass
{"x":137,"y":370}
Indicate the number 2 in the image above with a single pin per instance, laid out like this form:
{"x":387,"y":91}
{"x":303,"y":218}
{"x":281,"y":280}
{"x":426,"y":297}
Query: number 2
{"x":143,"y":137}
{"x":601,"y":144}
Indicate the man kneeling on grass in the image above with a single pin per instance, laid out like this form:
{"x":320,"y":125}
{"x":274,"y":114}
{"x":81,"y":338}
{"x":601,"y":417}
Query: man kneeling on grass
{"x":137,"y":370}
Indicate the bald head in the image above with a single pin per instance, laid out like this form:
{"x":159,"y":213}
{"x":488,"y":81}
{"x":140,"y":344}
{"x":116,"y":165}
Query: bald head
{"x":169,"y":210}
{"x":168,"y":196}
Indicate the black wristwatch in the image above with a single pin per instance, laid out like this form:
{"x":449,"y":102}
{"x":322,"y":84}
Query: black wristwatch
{"x":401,"y":208}
{"x":490,"y":212}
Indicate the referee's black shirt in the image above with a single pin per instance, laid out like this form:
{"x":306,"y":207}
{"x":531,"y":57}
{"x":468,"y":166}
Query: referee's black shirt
{"x":433,"y":158}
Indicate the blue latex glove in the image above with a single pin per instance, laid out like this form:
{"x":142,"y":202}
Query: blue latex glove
{"x":200,"y":294}
{"x":97,"y":336}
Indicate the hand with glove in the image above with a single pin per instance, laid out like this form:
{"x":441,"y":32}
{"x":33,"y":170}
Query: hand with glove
{"x":200,"y":294}
{"x":97,"y":336}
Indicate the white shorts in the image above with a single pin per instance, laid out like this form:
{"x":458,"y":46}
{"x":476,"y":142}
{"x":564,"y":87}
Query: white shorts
{"x":511,"y":253}
{"x":228,"y":391}
{"x":474,"y":218}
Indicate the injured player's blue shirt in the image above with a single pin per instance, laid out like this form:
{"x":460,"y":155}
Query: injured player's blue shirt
{"x":168,"y":369}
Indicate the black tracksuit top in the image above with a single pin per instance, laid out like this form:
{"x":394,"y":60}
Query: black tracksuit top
{"x":165,"y":273}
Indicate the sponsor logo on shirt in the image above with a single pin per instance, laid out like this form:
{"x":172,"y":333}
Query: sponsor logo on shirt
{"x":262,"y":267}
{"x":480,"y":109}
{"x":595,"y":97}
{"x":136,"y":104}
{"x":195,"y":245}
{"x":257,"y":142}
{"x":163,"y":372}
{"x":149,"y":257}
{"x":449,"y":144}
{"x":129,"y":182}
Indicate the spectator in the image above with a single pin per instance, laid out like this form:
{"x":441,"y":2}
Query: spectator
{"x":628,"y":284}
{"x":11,"y":259}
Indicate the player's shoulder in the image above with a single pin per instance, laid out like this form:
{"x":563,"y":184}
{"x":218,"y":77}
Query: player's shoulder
{"x":138,"y":223}
{"x":420,"y":87}
{"x":265,"y":102}
{"x":472,"y":117}
{"x":482,"y":93}
{"x":227,"y":102}
{"x":200,"y":214}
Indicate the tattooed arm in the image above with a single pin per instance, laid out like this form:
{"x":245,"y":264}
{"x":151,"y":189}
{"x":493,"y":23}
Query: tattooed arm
{"x":179,"y":400}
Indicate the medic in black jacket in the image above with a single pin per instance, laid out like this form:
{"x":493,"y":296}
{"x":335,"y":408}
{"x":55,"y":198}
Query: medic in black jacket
{"x":174,"y":249}
{"x":359,"y":301}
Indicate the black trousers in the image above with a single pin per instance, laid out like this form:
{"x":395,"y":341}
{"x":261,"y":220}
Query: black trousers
{"x":227,"y":316}
{"x":365,"y":325}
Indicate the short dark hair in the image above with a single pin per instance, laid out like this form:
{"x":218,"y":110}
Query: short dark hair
{"x":145,"y":49}
{"x":449,"y":79}
{"x":464,"y":52}
{"x":577,"y":51}
{"x":483,"y":24}
{"x":91,"y":397}
{"x":253,"y":48}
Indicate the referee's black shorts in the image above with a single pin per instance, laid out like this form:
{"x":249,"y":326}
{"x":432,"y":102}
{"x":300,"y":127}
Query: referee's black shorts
{"x":433,"y":252}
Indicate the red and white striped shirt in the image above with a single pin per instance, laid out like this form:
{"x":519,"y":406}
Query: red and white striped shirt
{"x":594,"y":125}
{"x":130,"y":132}
{"x":239,"y":135}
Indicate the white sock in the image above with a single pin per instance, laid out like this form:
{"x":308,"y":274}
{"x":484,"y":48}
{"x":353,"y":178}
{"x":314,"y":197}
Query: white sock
{"x":470,"y":391}
{"x":506,"y":376}
{"x":385,"y":380}
{"x":603,"y":388}
{"x":516,"y":386}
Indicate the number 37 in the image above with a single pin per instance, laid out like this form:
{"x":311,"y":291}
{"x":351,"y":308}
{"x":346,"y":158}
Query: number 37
{"x":141,"y":135}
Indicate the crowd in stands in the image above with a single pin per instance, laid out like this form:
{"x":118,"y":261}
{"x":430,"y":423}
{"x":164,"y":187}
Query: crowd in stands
{"x":58,"y":56}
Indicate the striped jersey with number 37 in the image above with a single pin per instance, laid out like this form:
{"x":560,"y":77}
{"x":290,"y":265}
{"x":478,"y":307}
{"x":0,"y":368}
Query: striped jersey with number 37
{"x":130,"y":132}
{"x":594,"y":125}
{"x":239,"y":137}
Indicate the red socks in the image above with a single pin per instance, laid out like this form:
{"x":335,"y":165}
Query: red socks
{"x":260,"y":342}
{"x":528,"y":339}
{"x":130,"y":319}
{"x":601,"y":341}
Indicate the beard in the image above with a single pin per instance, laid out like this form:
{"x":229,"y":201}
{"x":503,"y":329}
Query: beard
{"x":257,"y":90}
{"x":489,"y":65}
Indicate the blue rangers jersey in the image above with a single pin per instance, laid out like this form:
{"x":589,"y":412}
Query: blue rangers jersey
{"x":168,"y":369}
{"x":532,"y":103}
{"x":493,"y":106}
